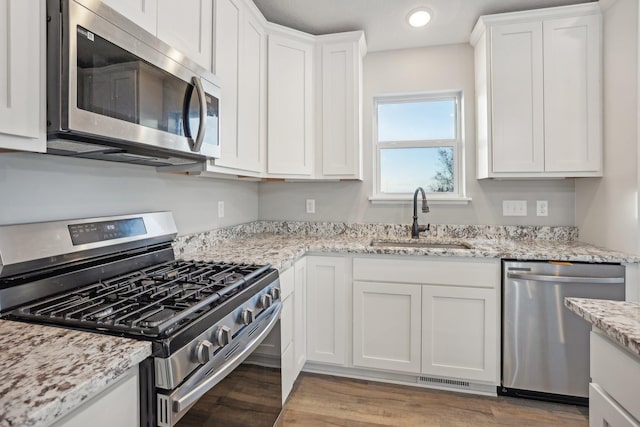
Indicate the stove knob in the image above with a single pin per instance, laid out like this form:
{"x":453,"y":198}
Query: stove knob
{"x":247,"y":316}
{"x":204,"y":351}
{"x":266,"y":300}
{"x":223,"y":336}
{"x":275,"y":293}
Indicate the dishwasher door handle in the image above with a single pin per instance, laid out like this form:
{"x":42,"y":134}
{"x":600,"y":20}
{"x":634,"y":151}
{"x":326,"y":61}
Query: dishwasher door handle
{"x":564,"y":279}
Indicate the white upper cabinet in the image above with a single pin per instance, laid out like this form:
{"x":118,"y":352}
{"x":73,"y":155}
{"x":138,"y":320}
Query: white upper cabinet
{"x":142,"y":12}
{"x":538,"y":93}
{"x":339,"y":118}
{"x":22,"y":75}
{"x":290,"y":104}
{"x":240,"y":63}
{"x":185,"y":25}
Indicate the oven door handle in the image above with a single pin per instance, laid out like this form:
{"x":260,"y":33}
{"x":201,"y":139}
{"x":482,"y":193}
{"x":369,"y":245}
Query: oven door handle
{"x":189,"y":398}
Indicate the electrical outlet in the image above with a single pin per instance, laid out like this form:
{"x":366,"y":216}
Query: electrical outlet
{"x":221,"y":209}
{"x":514,"y":208}
{"x":311,"y":206}
{"x":542,"y":208}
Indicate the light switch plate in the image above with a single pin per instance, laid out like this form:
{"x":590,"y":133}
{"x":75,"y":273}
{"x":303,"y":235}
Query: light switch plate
{"x":514,"y":208}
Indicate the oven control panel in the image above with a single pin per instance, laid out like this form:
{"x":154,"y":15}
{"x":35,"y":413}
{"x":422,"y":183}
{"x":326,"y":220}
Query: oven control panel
{"x":92,"y":232}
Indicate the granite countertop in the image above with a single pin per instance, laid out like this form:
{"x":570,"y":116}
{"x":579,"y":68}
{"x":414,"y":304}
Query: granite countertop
{"x":619,"y":320}
{"x":46,"y":372}
{"x":281,"y":250}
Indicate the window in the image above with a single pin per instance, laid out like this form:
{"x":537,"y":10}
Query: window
{"x":418,"y":144}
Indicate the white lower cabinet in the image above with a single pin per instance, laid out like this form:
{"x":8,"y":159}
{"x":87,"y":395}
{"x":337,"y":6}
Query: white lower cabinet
{"x":386,"y":326}
{"x":435,"y":317}
{"x":300,"y":316}
{"x":116,"y":406}
{"x":459,"y":333}
{"x":604,"y":411}
{"x":292,"y":324}
{"x":615,"y":384}
{"x":328,"y":312}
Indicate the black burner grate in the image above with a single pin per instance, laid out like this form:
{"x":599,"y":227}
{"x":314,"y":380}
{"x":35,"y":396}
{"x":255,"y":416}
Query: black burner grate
{"x":153,"y":301}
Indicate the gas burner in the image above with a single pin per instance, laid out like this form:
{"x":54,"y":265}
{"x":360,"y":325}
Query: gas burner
{"x":153,"y":301}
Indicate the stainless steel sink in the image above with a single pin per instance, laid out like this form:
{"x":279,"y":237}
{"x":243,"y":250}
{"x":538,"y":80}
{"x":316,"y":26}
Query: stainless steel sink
{"x":418,"y":244}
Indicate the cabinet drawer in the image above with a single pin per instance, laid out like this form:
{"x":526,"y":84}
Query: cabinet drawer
{"x":481,"y":273}
{"x":287,"y":283}
{"x":616,"y":371}
{"x":604,"y":411}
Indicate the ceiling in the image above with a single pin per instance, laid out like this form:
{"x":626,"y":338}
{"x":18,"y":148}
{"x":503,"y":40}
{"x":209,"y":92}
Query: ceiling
{"x":384,"y":21}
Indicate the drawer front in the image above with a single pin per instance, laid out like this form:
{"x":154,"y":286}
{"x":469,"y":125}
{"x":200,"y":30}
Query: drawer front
{"x":287,"y":283}
{"x":481,"y":273}
{"x":604,"y":411}
{"x":617,"y":372}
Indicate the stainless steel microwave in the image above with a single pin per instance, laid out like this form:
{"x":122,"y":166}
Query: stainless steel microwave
{"x":116,"y":92}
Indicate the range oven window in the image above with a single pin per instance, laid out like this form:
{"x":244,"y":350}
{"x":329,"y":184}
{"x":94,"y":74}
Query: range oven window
{"x":116,"y":83}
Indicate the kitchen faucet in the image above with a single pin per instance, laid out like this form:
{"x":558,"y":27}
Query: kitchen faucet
{"x":415,"y":228}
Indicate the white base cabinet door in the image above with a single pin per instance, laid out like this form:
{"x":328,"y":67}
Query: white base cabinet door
{"x":386,"y":326}
{"x":22,"y":75}
{"x":327,"y":309}
{"x":300,"y":316}
{"x":459,"y":334}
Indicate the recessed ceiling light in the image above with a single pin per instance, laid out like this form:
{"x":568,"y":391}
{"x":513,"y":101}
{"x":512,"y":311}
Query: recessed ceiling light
{"x":419,"y":17}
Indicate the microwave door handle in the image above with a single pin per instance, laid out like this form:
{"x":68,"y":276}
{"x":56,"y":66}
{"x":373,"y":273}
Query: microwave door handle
{"x":197,"y":144}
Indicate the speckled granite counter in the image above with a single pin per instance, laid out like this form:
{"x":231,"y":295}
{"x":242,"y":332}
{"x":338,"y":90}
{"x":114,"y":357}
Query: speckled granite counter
{"x":281,"y":245}
{"x":619,"y":320}
{"x":46,"y":372}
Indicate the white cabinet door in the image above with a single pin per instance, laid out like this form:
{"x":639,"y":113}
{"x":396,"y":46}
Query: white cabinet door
{"x":142,"y":12}
{"x":327,"y":310}
{"x":240,"y":55}
{"x":517,"y":77}
{"x":287,"y":347}
{"x":460,"y":333}
{"x":22,"y":75}
{"x":187,"y":26}
{"x":290,"y":106}
{"x":386,"y":326}
{"x":341,"y":80}
{"x":228,"y":15}
{"x":538,"y":88}
{"x":252,"y":90}
{"x":572,"y":94}
{"x":300,"y":316}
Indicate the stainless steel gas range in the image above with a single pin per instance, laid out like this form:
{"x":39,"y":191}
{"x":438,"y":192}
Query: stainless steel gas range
{"x":117,"y":275}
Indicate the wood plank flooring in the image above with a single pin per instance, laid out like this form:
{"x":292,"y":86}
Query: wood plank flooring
{"x":320,"y":400}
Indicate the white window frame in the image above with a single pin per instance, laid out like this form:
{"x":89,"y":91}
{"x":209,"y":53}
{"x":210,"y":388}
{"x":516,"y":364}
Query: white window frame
{"x":458,"y":195}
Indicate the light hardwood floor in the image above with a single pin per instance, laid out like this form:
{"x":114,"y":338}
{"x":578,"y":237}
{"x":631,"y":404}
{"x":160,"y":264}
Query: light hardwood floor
{"x":319,"y":400}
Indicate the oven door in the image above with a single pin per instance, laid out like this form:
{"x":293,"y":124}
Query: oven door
{"x":232,"y":394}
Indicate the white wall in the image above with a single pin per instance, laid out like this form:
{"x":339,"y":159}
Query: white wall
{"x":36,"y":187}
{"x":419,"y":70}
{"x":606,"y":208}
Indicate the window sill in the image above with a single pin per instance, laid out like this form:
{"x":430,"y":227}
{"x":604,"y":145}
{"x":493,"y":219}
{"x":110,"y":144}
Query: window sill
{"x":407,"y":200}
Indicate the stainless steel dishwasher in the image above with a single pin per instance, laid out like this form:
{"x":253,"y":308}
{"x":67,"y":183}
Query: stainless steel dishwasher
{"x":545,"y":347}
